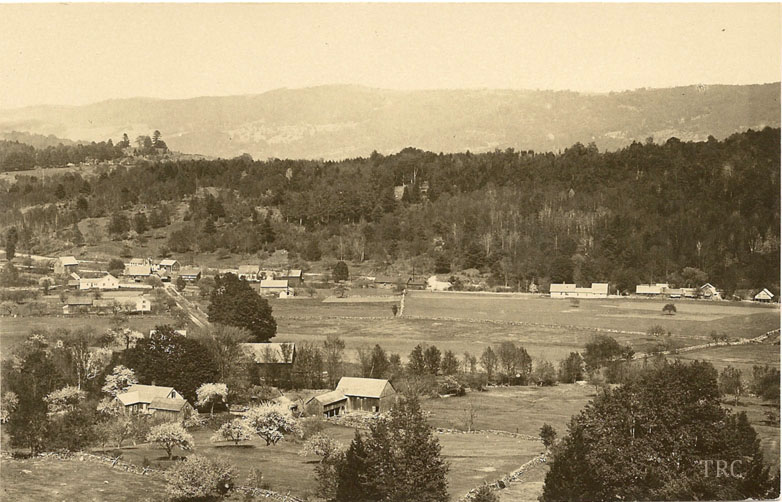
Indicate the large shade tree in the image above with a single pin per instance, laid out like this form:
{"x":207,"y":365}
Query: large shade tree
{"x":233,"y":302}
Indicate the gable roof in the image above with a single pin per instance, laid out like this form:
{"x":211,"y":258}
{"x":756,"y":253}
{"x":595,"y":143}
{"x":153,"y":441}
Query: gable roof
{"x":248,"y":269}
{"x":292,"y":272}
{"x":168,"y":262}
{"x":334,"y":396}
{"x":274,"y":283}
{"x":138,"y":270}
{"x":270,"y":353}
{"x":67,"y":261}
{"x":765,"y":293}
{"x":189,"y":271}
{"x":167,"y":404}
{"x":363,"y":387}
{"x":144,"y":394}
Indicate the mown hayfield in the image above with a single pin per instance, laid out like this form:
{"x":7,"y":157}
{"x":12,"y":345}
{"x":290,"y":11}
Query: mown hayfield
{"x":550,"y":329}
{"x":694,"y":318}
{"x":53,"y":480}
{"x":14,"y":330}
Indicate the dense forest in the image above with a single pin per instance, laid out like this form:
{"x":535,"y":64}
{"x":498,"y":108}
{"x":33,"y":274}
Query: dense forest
{"x":16,"y":156}
{"x":681,"y":212}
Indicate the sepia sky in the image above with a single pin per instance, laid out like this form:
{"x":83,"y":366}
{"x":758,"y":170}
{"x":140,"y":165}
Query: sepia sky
{"x":82,"y":53}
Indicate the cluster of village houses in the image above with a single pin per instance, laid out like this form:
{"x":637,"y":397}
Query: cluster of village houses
{"x":282,"y":283}
{"x":352,"y":394}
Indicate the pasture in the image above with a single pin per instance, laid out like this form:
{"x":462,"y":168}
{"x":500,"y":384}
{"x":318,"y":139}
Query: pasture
{"x":521,"y":410}
{"x":474,"y":458}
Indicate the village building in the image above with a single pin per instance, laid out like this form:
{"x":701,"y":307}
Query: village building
{"x":190,"y":274}
{"x":596,"y":290}
{"x":370,"y":395}
{"x":129,"y":305}
{"x":658,"y":289}
{"x":162,"y":401}
{"x":77,"y":305}
{"x":764,"y":296}
{"x":681,"y":293}
{"x":249,"y":273}
{"x":274,"y":286}
{"x":73,"y":280}
{"x":435,"y":284}
{"x":294,"y":276}
{"x":710,"y":292}
{"x":66,"y":265}
{"x":137,"y":272}
{"x":387,"y":281}
{"x":107,"y":282}
{"x":169,"y":266}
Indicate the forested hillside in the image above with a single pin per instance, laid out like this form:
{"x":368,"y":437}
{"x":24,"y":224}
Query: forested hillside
{"x":341,"y":121}
{"x":679,"y":211}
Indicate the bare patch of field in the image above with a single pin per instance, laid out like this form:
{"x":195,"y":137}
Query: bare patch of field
{"x":47,"y":479}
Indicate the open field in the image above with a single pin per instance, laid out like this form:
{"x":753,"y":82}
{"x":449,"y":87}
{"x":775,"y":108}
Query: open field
{"x":694,"y":318}
{"x":742,"y":357}
{"x":14,"y":330}
{"x":547,"y":328}
{"x":55,"y":480}
{"x":474,"y":458}
{"x":513,"y":409}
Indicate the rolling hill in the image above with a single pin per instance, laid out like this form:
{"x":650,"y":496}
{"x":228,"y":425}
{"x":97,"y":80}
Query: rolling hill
{"x":342,"y":121}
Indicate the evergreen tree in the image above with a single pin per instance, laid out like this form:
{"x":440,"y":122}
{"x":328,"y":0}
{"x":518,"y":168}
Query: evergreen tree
{"x":11,"y":238}
{"x":340,"y":272}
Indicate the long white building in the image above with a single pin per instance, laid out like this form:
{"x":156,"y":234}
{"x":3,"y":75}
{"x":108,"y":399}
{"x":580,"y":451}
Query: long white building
{"x":597,"y":290}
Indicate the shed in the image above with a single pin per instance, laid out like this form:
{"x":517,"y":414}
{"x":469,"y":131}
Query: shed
{"x":329,"y":404}
{"x":171,"y":409}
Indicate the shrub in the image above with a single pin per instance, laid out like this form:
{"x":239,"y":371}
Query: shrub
{"x":199,"y":477}
{"x":255,"y":480}
{"x":485,"y":494}
{"x":310,"y":426}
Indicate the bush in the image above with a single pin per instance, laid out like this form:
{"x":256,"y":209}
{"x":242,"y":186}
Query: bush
{"x":311,"y":426}
{"x":255,"y":480}
{"x":485,"y":494}
{"x":199,"y":477}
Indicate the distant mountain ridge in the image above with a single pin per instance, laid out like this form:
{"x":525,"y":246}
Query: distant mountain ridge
{"x":342,"y":121}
